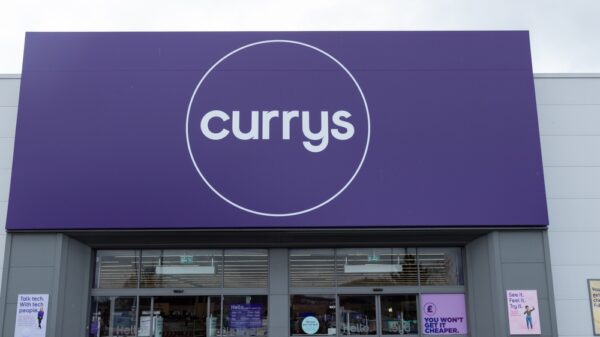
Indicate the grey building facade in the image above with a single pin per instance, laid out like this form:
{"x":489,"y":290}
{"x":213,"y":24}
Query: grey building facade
{"x":556,"y":262}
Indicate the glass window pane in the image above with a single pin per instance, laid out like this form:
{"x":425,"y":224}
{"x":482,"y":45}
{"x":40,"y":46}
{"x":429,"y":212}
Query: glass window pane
{"x":376,"y":267}
{"x":246,"y":268}
{"x":145,"y":328}
{"x":113,"y":316}
{"x":117,"y":269}
{"x":312,"y":315}
{"x":440,"y":266}
{"x":399,"y":315}
{"x":312,"y":268}
{"x":182,"y":268}
{"x":123,"y":317}
{"x":197,"y":316}
{"x":245,"y":315}
{"x":213,"y":323}
{"x":100,"y":316}
{"x":357,"y":315}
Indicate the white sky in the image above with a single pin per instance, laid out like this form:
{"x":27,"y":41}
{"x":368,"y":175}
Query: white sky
{"x":565,"y":34}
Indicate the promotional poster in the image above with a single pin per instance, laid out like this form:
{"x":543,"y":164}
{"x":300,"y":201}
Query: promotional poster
{"x":523,"y":313}
{"x":443,"y":314}
{"x":32,"y":315}
{"x":245,"y":316}
{"x":594,"y":288}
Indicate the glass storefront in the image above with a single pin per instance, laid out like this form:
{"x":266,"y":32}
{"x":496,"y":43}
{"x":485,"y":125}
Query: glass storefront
{"x":146,"y":293}
{"x":179,"y":316}
{"x":181,"y":268}
{"x":365,"y":267}
{"x":340,"y":275}
{"x":234,"y":280}
{"x":358,"y":315}
{"x":190,"y":268}
{"x":318,"y":309}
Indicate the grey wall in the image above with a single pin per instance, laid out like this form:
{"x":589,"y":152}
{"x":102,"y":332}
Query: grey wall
{"x":479,"y":288}
{"x":51,"y":264}
{"x":569,"y":115}
{"x":279,"y":320}
{"x":508,"y":260}
{"x":9,"y":97}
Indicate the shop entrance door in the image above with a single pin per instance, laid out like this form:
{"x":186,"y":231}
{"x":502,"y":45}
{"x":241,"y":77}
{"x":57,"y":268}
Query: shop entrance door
{"x":200,"y":316}
{"x":377,"y":315}
{"x":179,"y":316}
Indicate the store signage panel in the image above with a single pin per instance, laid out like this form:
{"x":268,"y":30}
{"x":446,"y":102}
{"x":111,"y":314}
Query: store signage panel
{"x":443,"y":314}
{"x":594,"y":289}
{"x":310,"y":325}
{"x":273,"y":129}
{"x":523,"y":312}
{"x":245,"y":316}
{"x":32,"y":315}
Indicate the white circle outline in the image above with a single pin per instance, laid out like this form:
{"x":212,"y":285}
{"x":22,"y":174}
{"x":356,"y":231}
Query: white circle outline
{"x":187,"y":136}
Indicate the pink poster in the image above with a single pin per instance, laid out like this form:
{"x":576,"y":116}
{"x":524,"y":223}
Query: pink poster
{"x":443,"y":314}
{"x":523,"y":313}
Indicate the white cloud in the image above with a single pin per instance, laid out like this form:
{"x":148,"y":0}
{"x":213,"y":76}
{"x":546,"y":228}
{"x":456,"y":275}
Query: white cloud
{"x":565,"y":35}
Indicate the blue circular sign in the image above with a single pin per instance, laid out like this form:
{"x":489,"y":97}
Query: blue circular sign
{"x":310,"y":325}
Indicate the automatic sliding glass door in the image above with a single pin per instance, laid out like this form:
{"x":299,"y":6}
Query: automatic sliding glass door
{"x":179,"y":316}
{"x":398,"y":315}
{"x":377,"y":315}
{"x":358,"y":315}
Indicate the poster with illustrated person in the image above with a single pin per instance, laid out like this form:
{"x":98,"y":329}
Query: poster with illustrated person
{"x":594,"y":288}
{"x":523,"y":312}
{"x":32,"y":315}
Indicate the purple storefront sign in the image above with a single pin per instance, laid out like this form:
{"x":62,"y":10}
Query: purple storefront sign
{"x":276,"y":130}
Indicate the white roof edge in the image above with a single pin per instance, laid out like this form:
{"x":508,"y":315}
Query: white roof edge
{"x":566,"y":75}
{"x":535,"y":75}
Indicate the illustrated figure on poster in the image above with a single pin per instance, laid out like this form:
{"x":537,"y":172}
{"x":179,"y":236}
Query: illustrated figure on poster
{"x":40,"y":316}
{"x":528,"y":319}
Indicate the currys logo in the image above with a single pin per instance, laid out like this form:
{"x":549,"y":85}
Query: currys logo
{"x":321,"y":137}
{"x":278,"y":128}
